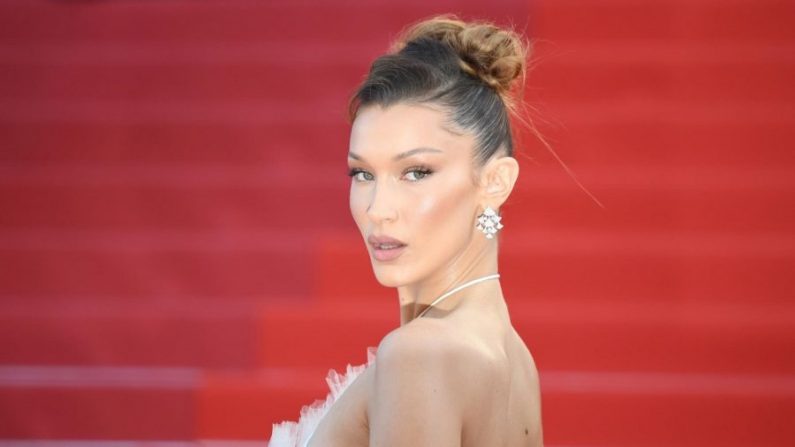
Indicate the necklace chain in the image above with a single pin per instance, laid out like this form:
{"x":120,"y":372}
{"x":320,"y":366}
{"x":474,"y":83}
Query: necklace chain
{"x":466,"y":284}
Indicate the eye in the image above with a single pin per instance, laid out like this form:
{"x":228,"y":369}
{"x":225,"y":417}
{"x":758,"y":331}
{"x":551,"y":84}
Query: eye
{"x":356,"y":171}
{"x":420,"y":172}
{"x":423,"y":171}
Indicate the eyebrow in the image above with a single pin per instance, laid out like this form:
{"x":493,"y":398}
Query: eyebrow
{"x":401,"y":155}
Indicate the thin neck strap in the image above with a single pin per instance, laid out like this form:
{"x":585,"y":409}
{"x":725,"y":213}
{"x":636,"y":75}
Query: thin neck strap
{"x":466,"y":284}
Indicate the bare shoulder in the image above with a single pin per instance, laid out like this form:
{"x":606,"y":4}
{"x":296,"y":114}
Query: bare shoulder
{"x":437,"y":344}
{"x":428,"y":377}
{"x":436,"y":358}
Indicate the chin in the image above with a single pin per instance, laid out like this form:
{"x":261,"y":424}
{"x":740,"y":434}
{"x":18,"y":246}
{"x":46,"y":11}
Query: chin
{"x":391,"y":275}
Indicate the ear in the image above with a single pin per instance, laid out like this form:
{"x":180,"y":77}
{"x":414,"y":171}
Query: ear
{"x":497,"y":180}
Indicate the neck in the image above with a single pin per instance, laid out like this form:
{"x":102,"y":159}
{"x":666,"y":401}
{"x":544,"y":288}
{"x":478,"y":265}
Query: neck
{"x":480,"y":291}
{"x":477,"y":260}
{"x":483,"y":299}
{"x":469,"y":283}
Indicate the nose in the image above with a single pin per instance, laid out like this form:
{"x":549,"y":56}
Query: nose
{"x":382,"y":204}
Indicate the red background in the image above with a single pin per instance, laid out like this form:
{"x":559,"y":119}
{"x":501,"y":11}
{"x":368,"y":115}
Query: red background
{"x":178,"y":261}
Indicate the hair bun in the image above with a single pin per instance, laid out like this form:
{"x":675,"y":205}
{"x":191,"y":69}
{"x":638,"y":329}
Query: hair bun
{"x":494,"y":54}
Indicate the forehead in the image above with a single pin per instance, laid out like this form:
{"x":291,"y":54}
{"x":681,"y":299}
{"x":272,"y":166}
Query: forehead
{"x":381,"y":133}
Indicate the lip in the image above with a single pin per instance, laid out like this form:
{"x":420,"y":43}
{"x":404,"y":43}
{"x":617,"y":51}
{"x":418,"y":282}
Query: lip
{"x":385,"y":255}
{"x":374,"y":240}
{"x":388,"y":255}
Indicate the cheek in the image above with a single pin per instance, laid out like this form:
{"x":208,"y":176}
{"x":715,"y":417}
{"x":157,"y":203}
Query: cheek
{"x":443,"y":213}
{"x":358,"y":206}
{"x":359,"y":202}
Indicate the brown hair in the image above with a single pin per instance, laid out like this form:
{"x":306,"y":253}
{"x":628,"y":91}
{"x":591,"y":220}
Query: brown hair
{"x":476,"y":70}
{"x":469,"y":68}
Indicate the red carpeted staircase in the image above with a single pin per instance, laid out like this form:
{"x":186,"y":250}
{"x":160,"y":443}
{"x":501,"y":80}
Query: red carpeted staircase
{"x":178,"y":261}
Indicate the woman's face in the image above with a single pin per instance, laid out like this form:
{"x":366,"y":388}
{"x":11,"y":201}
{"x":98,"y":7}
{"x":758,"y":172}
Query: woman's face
{"x":412,"y":181}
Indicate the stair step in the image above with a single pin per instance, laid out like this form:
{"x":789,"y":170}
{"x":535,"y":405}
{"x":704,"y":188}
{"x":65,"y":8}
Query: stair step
{"x":559,"y":78}
{"x":645,"y":416}
{"x":683,"y":73}
{"x":219,"y":81}
{"x":731,"y":409}
{"x":132,"y":267}
{"x":97,"y":412}
{"x":174,"y":203}
{"x":664,"y":337}
{"x":137,"y":144}
{"x":736,"y":21}
{"x":562,"y":334}
{"x":239,"y":21}
{"x":167,"y":331}
{"x":156,"y":404}
{"x":697,"y":144}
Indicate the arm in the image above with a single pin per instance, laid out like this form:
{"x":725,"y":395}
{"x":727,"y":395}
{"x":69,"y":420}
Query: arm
{"x":419,"y":396}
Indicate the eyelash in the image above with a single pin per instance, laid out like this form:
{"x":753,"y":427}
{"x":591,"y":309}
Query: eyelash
{"x":425,"y":171}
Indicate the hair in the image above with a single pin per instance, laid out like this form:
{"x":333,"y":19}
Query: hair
{"x":474,"y":70}
{"x":470,"y":69}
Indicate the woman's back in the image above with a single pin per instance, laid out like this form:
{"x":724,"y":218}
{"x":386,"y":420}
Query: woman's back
{"x":516,"y":417}
{"x":508,"y":411}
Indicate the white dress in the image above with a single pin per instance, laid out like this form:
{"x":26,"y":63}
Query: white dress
{"x":298,"y":434}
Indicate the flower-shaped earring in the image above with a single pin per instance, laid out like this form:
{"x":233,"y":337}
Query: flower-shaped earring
{"x":489,"y":222}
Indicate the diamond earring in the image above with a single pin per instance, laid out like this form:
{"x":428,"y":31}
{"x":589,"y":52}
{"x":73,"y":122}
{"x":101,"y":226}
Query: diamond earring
{"x":489,"y":222}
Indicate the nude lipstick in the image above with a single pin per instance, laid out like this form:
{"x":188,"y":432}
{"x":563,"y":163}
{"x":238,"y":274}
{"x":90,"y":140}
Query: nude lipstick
{"x":386,"y":248}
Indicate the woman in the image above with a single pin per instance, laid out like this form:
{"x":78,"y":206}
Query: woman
{"x":431,"y":163}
